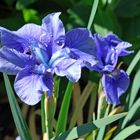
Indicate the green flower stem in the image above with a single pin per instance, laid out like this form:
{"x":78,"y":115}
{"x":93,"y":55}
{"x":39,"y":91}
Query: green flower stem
{"x":44,"y":115}
{"x":93,"y":12}
{"x":63,"y":114}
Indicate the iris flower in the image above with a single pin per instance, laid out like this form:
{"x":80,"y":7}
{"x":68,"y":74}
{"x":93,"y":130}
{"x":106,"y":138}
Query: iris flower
{"x":34,"y":53}
{"x":108,"y":49}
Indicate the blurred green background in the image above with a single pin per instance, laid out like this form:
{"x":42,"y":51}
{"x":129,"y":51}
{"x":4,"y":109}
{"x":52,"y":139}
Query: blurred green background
{"x":121,"y":17}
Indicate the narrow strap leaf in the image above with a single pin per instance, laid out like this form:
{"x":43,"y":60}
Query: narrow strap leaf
{"x":63,"y":115}
{"x":79,"y":131}
{"x":131,"y":113}
{"x":135,"y":88}
{"x":93,"y":12}
{"x":128,"y":131}
{"x":101,"y":132}
{"x":133,"y":63}
{"x":16,"y":112}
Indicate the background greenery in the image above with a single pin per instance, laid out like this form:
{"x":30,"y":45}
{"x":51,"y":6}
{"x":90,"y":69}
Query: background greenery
{"x":121,"y":17}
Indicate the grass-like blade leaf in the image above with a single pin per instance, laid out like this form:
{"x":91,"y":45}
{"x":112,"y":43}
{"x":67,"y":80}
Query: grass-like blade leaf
{"x":131,"y":113}
{"x":63,"y":114}
{"x":93,"y":12}
{"x":135,"y":88}
{"x":20,"y":123}
{"x":102,"y":130}
{"x":133,"y":63}
{"x":79,"y":131}
{"x":128,"y":131}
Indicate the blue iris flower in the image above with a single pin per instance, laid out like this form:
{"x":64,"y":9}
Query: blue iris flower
{"x":108,"y":49}
{"x":34,"y":53}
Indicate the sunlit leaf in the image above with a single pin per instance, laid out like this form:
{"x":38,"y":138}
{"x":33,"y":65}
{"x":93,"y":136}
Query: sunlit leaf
{"x":131,"y":113}
{"x":87,"y":128}
{"x":110,"y":133}
{"x":128,"y":131}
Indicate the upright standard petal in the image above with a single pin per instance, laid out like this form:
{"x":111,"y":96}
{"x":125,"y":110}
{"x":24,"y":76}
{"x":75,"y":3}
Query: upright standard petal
{"x":30,"y":32}
{"x":114,"y":85}
{"x":70,"y":68}
{"x":54,"y":32}
{"x":10,"y":40}
{"x":120,"y":46}
{"x":82,"y":45}
{"x":121,"y":49}
{"x":30,"y":86}
{"x":106,"y":55}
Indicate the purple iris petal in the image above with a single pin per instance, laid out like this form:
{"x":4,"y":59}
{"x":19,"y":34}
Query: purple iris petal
{"x":70,"y":68}
{"x":113,"y":39}
{"x":54,"y":32}
{"x":30,"y":32}
{"x":106,"y":55}
{"x":11,"y":61}
{"x":8,"y":67}
{"x":120,"y":46}
{"x":11,"y":40}
{"x":59,"y":56}
{"x":81,"y":44}
{"x":30,"y":86}
{"x":114,"y":85}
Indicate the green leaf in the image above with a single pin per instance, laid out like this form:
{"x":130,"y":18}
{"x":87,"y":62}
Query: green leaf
{"x":110,"y":133}
{"x":128,"y":131}
{"x":30,"y":15}
{"x":92,"y":14}
{"x":133,"y":63}
{"x":87,"y":128}
{"x":131,"y":113}
{"x":17,"y":116}
{"x":63,"y":114}
{"x":135,"y":88}
{"x":102,"y":130}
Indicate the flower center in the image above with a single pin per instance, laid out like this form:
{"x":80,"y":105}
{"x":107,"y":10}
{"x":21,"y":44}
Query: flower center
{"x":39,"y":52}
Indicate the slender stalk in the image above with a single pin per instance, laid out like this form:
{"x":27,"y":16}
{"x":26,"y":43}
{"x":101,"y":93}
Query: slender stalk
{"x":93,"y":12}
{"x":63,"y":114}
{"x":44,"y":116}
